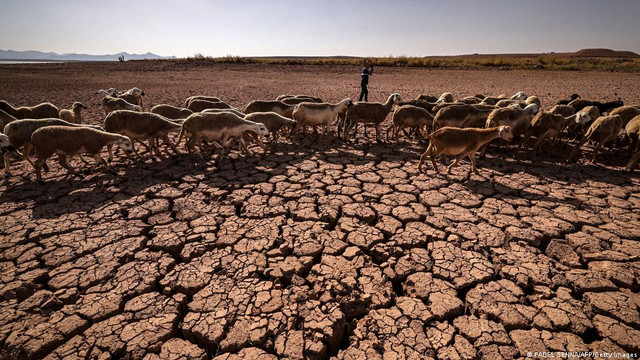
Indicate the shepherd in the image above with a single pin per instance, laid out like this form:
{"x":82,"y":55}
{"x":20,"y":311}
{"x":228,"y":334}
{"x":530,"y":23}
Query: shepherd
{"x":366,"y":72}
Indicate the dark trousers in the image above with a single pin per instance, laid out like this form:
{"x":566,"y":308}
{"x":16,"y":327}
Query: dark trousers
{"x":364,"y":92}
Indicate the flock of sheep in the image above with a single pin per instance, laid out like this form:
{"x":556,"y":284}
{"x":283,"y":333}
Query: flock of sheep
{"x":458,"y":128}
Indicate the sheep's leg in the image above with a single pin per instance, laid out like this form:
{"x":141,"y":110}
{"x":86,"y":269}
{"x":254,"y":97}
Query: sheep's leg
{"x":576,"y":148}
{"x":110,"y":152}
{"x":244,"y":147}
{"x":62,"y":159}
{"x":423,"y":157}
{"x":100,"y":160}
{"x":378,"y":133}
{"x":38,"y":166}
{"x":455,"y":162}
{"x":167,"y":141}
{"x":472,"y":157}
{"x":595,"y":151}
{"x":434,"y":156}
{"x":7,"y":164}
{"x":633,"y":161}
{"x":27,"y":150}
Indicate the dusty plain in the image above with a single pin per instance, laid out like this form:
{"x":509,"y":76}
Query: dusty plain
{"x":322,"y":249}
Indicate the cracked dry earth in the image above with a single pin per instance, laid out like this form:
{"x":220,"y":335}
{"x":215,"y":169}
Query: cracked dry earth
{"x":319,"y":250}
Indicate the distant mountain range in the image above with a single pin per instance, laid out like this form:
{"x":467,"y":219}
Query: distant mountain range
{"x":50,"y":56}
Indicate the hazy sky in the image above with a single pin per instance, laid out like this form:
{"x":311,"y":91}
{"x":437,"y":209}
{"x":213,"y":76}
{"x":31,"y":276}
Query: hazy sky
{"x":287,"y":27}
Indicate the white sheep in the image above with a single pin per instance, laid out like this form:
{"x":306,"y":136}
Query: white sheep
{"x":318,"y":114}
{"x":110,"y":103}
{"x":19,"y":133}
{"x":66,"y":141}
{"x":219,"y":127}
{"x":141,"y":126}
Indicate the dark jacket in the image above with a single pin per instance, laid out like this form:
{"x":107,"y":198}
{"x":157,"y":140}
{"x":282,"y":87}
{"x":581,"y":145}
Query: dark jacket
{"x":366,"y":72}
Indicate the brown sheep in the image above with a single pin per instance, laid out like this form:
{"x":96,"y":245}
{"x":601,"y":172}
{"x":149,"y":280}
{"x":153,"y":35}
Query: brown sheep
{"x":632,"y":131}
{"x":462,"y":116}
{"x":65,"y":141}
{"x":626,"y":113}
{"x":273,"y":122}
{"x":200,"y":97}
{"x":5,"y":119}
{"x":198,"y":105}
{"x":544,"y":125}
{"x":408,"y":116}
{"x":461,"y":143}
{"x":40,"y":111}
{"x":171,"y":112}
{"x":369,"y":113}
{"x":111,"y":103}
{"x":141,"y":126}
{"x":603,"y":130}
{"x":73,"y":115}
{"x":276,"y":106}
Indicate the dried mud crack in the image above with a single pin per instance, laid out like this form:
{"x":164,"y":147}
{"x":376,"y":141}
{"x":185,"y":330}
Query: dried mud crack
{"x":320,"y":250}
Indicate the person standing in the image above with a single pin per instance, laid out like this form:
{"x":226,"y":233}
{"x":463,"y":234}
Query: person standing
{"x":364,"y":82}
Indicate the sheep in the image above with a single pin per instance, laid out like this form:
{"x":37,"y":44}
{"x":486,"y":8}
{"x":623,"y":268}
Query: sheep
{"x":20,"y":131}
{"x":443,"y":105}
{"x":198,"y":105}
{"x":171,"y":112}
{"x":110,"y":103}
{"x":65,"y":141}
{"x":410,"y":116}
{"x":633,"y":162}
{"x":6,"y":146}
{"x":219,"y":127}
{"x":446,"y":97}
{"x":461,"y":143}
{"x":533,"y":100}
{"x":429,"y":98}
{"x":276,"y":106}
{"x":73,"y":115}
{"x":241,"y":114}
{"x":632,"y":131}
{"x":273,"y":122}
{"x":40,"y":111}
{"x":5,"y":119}
{"x":471,"y":100}
{"x":520,"y":95}
{"x":544,"y":125}
{"x":626,"y":113}
{"x":583,"y":117}
{"x":140,"y":126}
{"x":312,"y":98}
{"x":462,"y":116}
{"x":200,"y":97}
{"x":603,"y":130}
{"x":567,"y":101}
{"x":369,"y":112}
{"x":318,"y":114}
{"x":490,"y":100}
{"x":298,"y":100}
{"x":508,"y":102}
{"x":564,"y":110}
{"x":579,"y":104}
{"x":514,"y":116}
{"x":134,"y":96}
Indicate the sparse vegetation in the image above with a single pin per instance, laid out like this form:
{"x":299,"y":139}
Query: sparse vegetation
{"x":549,"y":61}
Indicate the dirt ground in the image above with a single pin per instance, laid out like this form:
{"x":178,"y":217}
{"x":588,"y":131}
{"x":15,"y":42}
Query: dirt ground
{"x":321,"y":249}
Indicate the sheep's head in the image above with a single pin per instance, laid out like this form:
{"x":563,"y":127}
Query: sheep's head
{"x":396,"y":98}
{"x":505,"y":133}
{"x":520,"y":95}
{"x":574,"y":96}
{"x":137,"y":92}
{"x":582,"y":118}
{"x":79,"y":105}
{"x":5,"y":144}
{"x":531,"y":109}
{"x":125,"y":144}
{"x":261,"y":129}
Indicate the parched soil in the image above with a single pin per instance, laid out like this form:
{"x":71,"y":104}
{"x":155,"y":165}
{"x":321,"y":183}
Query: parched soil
{"x":321,"y":249}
